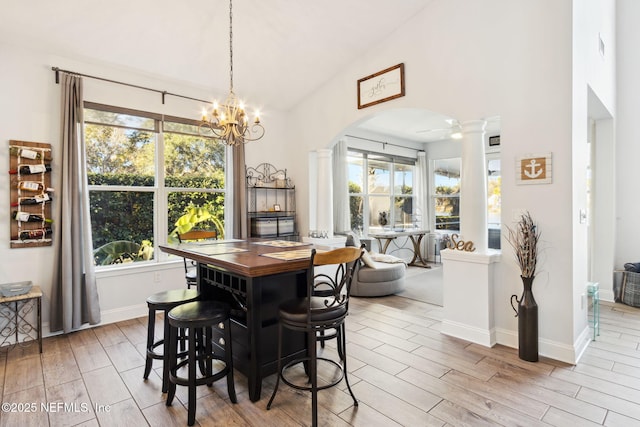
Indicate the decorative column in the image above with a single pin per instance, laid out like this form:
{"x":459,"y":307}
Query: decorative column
{"x":473,"y":186}
{"x":324,"y":199}
{"x":468,"y":277}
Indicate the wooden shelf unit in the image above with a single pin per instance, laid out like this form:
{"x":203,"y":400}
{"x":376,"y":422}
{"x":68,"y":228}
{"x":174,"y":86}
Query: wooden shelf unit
{"x":16,"y":194}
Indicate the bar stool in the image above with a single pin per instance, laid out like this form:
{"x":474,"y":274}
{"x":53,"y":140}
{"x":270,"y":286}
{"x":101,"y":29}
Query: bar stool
{"x":320,"y":311}
{"x":164,"y":301}
{"x":208,"y":326}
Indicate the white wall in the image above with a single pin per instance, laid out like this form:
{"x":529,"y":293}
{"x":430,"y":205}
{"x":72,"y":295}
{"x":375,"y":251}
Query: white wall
{"x":30,"y":111}
{"x":474,"y":60}
{"x":593,"y":76}
{"x":627,"y":134}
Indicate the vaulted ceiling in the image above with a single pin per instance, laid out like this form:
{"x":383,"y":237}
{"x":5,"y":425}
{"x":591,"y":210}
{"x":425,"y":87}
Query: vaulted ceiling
{"x":282,"y":49}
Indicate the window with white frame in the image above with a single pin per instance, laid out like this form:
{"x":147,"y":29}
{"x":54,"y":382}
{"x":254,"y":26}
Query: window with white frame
{"x":380,"y":191}
{"x":446,"y":194}
{"x":149,"y":174}
{"x":494,"y":199}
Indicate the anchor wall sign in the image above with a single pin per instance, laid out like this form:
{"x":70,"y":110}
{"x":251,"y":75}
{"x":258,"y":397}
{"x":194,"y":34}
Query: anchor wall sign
{"x":534,"y":169}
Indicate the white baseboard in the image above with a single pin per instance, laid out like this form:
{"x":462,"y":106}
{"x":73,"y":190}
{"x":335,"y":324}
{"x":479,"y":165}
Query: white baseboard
{"x":123,"y":313}
{"x":606,"y":295}
{"x":466,"y":332}
{"x":581,"y":344}
{"x":548,"y":348}
{"x":106,"y":317}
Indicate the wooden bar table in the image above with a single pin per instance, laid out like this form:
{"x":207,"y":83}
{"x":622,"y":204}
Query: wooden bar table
{"x":247,"y":276}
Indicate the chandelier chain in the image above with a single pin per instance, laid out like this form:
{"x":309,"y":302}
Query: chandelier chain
{"x":230,"y":46}
{"x":230,"y":122}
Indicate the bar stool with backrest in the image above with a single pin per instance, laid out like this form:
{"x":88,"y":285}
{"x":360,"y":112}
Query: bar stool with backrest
{"x":208,"y":326}
{"x":164,"y":301}
{"x":315,"y":314}
{"x":190,"y":273}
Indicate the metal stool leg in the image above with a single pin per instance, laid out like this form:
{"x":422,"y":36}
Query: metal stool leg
{"x":279,"y":371}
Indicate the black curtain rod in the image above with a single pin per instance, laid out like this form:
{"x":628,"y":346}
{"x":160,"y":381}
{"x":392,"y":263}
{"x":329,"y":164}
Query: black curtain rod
{"x":162,"y":92}
{"x":384,"y":143}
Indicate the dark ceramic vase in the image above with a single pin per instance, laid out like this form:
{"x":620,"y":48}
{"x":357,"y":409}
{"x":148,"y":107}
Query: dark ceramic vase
{"x":527,"y":314}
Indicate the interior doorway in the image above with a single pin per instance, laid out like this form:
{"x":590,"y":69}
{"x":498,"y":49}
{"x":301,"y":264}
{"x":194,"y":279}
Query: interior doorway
{"x":599,"y":212}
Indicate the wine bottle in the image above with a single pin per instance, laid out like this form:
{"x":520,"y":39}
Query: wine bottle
{"x":40,"y":233}
{"x":35,"y":200}
{"x":32,"y":186}
{"x":27,"y":153}
{"x":31,"y":169}
{"x":29,"y":217}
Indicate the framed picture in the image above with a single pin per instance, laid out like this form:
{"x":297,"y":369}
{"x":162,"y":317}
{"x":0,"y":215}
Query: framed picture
{"x":276,"y":208}
{"x":382,"y":86}
{"x":534,"y":169}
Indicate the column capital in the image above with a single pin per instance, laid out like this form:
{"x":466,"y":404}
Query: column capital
{"x":324,"y":152}
{"x":473,"y":126}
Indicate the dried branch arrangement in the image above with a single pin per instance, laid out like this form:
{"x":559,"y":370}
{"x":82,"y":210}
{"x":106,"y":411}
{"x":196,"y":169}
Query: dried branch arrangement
{"x":524,"y":241}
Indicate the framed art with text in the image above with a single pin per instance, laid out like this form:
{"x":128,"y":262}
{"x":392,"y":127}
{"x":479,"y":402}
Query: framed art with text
{"x":382,"y":86}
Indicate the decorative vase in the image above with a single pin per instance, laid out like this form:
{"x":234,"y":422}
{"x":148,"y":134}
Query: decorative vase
{"x":527,"y":314}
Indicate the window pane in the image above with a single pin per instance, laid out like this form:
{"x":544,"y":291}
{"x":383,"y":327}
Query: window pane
{"x":199,"y":210}
{"x":494,"y":202}
{"x":356,"y":176}
{"x":403,"y":212}
{"x":356,"y":210}
{"x":118,"y":119}
{"x":122,"y":226}
{"x":113,"y":151}
{"x":447,"y":176}
{"x":378,"y":177}
{"x":193,"y":162}
{"x":495,"y":199}
{"x":379,"y":212}
{"x":181,"y":128}
{"x":447,"y":213}
{"x":403,"y":179}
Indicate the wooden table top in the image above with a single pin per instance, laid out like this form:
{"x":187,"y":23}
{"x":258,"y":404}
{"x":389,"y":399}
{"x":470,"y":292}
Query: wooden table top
{"x":242,"y":257}
{"x":398,"y":233}
{"x":35,"y":292}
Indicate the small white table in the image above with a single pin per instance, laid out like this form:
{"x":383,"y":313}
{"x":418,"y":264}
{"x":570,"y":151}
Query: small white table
{"x":15,"y":321}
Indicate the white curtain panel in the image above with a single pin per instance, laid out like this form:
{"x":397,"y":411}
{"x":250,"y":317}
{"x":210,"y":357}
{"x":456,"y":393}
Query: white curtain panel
{"x":341,"y":222}
{"x":422,"y":191}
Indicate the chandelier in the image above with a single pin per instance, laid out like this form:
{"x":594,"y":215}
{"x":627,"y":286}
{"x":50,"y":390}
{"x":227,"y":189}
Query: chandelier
{"x":229,"y":121}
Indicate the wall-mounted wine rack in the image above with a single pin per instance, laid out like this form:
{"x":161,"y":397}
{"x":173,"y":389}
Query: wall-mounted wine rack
{"x":31,"y":194}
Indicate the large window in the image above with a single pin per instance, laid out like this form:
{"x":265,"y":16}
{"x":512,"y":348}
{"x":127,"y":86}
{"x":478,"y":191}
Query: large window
{"x":494,"y":201}
{"x":446,"y":196}
{"x":380,"y":191}
{"x":148,"y":175}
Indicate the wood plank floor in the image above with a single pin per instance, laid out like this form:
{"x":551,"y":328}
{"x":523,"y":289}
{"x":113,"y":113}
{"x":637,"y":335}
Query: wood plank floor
{"x":402,"y":370}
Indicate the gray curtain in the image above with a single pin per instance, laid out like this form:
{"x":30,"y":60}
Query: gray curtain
{"x":239,"y":194}
{"x":74,"y":299}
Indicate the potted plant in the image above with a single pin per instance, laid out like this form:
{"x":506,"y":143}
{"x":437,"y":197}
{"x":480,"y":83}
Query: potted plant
{"x":524,"y":240}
